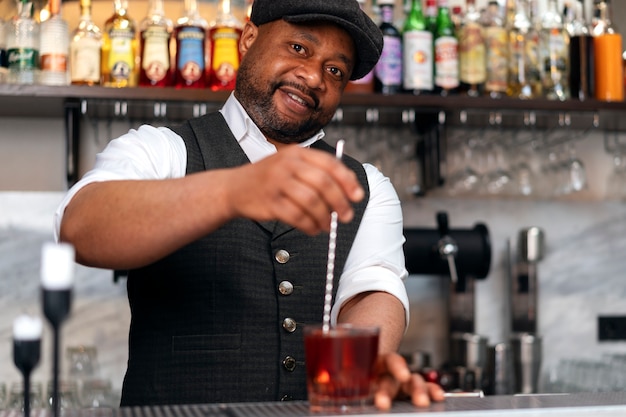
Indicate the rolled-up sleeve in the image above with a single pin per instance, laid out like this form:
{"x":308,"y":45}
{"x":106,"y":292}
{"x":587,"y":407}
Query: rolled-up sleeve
{"x":376,"y":259}
{"x":145,"y":153}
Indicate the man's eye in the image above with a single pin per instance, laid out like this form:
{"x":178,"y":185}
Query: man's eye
{"x":336,"y":71}
{"x":297,"y":48}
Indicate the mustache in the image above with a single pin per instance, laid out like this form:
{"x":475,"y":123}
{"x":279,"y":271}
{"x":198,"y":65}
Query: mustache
{"x":302,"y":88}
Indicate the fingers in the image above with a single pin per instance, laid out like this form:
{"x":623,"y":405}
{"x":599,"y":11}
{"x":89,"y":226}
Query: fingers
{"x":435,"y":392}
{"x":300,"y":187}
{"x":334,"y":184}
{"x":396,"y":381}
{"x":387,"y":390}
{"x":422,"y":392}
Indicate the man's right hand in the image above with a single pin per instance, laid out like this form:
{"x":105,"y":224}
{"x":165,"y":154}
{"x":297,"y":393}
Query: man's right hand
{"x":297,"y":186}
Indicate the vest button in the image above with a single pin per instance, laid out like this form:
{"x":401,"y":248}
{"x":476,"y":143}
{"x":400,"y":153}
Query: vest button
{"x":282,"y":256}
{"x":286,"y":397}
{"x":285,"y":288}
{"x":289,"y":363}
{"x":290,"y":325}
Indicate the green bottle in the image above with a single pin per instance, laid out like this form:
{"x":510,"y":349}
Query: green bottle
{"x":431,"y":15}
{"x":446,"y":52}
{"x":417,"y":51}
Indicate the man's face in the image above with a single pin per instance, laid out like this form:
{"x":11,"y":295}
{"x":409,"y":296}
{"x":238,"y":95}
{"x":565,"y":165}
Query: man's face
{"x":291,"y":76}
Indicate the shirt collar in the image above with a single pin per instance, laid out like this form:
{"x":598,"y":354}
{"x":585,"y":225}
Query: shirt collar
{"x":243,"y":127}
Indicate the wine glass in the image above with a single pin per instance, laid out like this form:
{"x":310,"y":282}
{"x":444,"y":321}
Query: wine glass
{"x":463,"y":178}
{"x":575,"y":172}
{"x":524,"y":176}
{"x":498,"y":179}
{"x":616,"y":181}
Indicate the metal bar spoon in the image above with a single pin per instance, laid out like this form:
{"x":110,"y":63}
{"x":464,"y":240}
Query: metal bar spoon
{"x":330,"y":263}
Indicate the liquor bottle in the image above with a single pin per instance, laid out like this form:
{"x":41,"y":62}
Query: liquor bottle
{"x":54,"y":48}
{"x":155,"y":31}
{"x":524,"y":79}
{"x":457,"y":17}
{"x":472,"y":52}
{"x":23,"y":46}
{"x":431,"y":23}
{"x":553,"y":50}
{"x":3,"y":51}
{"x":388,"y":70}
{"x":190,"y":36}
{"x":496,"y":52}
{"x":532,"y":44}
{"x":250,"y":2}
{"x":224,"y":37}
{"x":581,"y":55}
{"x":365,"y":84}
{"x":446,"y":52}
{"x":569,"y":16}
{"x":609,"y":70}
{"x":510,"y":9}
{"x":85,"y":49}
{"x":431,"y":15}
{"x":534,"y":14}
{"x":417,"y":49}
{"x":119,"y":48}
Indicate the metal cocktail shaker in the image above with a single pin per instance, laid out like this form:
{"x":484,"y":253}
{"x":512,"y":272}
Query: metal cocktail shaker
{"x":525,"y":342}
{"x":526,"y":362}
{"x":530,"y":248}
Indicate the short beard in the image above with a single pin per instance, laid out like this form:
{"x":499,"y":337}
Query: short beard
{"x":259,"y":105}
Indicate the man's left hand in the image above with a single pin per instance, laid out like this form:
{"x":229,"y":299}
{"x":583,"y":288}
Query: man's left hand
{"x":395,"y":381}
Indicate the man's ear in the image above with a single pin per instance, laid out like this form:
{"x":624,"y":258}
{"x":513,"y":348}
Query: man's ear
{"x":248,"y":36}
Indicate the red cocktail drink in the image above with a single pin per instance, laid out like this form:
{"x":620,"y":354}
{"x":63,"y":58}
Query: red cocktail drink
{"x":339,"y":366}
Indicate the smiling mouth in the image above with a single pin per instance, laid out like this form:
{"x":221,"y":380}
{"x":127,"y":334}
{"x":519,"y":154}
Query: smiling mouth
{"x":298,"y":99}
{"x":299,"y":94}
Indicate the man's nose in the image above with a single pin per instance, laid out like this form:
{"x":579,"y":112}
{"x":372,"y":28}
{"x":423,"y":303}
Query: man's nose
{"x":311,"y":74}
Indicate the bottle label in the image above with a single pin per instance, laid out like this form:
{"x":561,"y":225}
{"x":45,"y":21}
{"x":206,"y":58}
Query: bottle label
{"x":389,"y":66}
{"x":155,"y":59}
{"x":497,"y":59}
{"x":121,"y":58}
{"x":447,"y":62}
{"x":555,"y":56}
{"x":53,"y":62}
{"x":472,"y":61}
{"x":190,"y":60}
{"x":85,"y":60}
{"x":518,"y":64}
{"x":418,"y":60}
{"x":225,"y":59}
{"x":532,"y":57}
{"x":23,"y":59}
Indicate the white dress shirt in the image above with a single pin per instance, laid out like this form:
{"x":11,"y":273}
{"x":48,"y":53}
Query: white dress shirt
{"x":376,"y":260}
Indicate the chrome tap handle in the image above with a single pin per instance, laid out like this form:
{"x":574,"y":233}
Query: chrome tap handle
{"x":447,"y":246}
{"x":448,"y":250}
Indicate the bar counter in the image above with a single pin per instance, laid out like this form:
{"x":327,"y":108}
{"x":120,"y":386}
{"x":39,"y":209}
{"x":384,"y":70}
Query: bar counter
{"x":611,"y":404}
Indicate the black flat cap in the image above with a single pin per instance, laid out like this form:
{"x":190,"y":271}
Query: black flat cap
{"x":367,"y":37}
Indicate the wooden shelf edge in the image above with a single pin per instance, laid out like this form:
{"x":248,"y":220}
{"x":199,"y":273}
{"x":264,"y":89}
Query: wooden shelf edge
{"x":433,"y":102}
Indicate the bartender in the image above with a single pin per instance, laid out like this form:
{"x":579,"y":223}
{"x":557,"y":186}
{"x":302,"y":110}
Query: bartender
{"x":223,"y":224}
